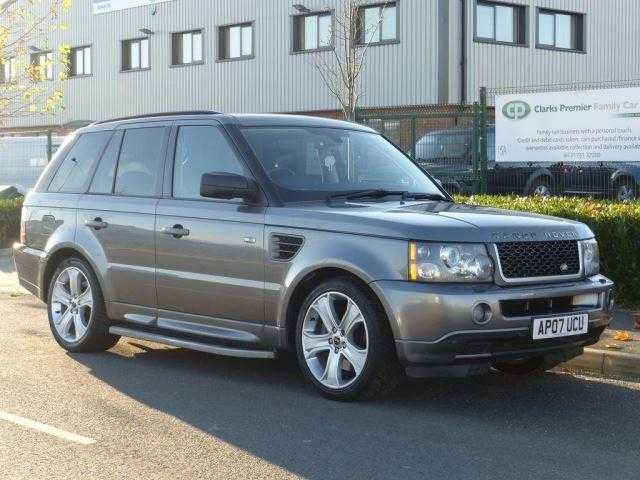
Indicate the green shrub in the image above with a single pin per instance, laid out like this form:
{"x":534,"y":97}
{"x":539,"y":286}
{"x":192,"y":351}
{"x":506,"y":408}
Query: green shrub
{"x":9,"y":221}
{"x":616,"y":226}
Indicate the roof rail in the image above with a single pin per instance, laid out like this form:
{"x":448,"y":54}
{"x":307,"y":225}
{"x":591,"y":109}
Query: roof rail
{"x":161,"y":114}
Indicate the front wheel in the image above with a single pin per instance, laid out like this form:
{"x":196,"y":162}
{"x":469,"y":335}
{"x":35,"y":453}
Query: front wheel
{"x":344,"y":343}
{"x":77,"y":315}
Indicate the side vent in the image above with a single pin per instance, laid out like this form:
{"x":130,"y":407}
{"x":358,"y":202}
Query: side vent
{"x":285,"y":247}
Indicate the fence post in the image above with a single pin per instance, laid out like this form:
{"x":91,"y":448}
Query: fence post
{"x":483,"y":140}
{"x":49,"y":146}
{"x":413,"y":136}
{"x":475,"y":147}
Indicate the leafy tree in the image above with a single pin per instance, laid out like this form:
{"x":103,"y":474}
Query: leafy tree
{"x":28,"y":85}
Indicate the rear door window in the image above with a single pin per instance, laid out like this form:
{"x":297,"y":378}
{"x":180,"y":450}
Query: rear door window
{"x":200,"y":150}
{"x":103,"y":178}
{"x":141,"y":162}
{"x":73,"y":175}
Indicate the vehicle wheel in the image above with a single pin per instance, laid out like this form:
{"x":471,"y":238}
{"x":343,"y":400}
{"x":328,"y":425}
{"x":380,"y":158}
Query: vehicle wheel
{"x":625,"y":191}
{"x":344,"y":343}
{"x":541,"y":187}
{"x":531,"y":365}
{"x":77,"y":314}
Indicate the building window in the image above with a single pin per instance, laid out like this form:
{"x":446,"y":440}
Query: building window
{"x":9,"y":70}
{"x":561,"y":30}
{"x":313,"y":32}
{"x":501,"y":23}
{"x":236,"y":42}
{"x":379,"y":23}
{"x":135,"y":54}
{"x":80,"y":64}
{"x":42,"y":63}
{"x":186,"y":48}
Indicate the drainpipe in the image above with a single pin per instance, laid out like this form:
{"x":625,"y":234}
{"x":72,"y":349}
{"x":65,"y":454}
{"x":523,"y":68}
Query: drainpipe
{"x":463,"y":53}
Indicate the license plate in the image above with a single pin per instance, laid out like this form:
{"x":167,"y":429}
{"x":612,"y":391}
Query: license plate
{"x":556,"y":327}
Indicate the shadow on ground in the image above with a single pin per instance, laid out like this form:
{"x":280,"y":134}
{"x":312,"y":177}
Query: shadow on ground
{"x":555,"y":426}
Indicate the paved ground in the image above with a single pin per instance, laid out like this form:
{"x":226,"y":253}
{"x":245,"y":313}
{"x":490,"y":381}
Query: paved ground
{"x":156,"y":412}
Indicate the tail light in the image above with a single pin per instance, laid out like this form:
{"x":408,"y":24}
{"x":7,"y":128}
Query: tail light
{"x":23,"y":232}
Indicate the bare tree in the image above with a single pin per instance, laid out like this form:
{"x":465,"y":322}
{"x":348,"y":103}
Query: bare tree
{"x":341,"y":70}
{"x":27,"y":82}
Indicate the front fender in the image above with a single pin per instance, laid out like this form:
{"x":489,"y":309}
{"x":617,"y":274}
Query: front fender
{"x":355,"y":254}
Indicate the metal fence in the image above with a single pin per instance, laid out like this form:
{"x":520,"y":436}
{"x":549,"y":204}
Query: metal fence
{"x":457,"y":144}
{"x":24,"y":155}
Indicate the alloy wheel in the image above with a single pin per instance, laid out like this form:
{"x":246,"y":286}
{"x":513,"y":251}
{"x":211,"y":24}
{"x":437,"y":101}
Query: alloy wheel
{"x":542,"y":191}
{"x":71,"y":304}
{"x":626,"y":193}
{"x":335,"y":340}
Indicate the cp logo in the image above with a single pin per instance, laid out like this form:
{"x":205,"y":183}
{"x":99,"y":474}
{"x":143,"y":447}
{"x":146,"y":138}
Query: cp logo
{"x":516,"y":110}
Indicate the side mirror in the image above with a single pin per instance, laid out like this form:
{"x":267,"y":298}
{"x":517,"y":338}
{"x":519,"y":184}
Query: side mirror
{"x":227,"y":186}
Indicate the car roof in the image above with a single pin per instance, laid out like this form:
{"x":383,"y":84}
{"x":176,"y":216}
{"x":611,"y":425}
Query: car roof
{"x":241,"y":120}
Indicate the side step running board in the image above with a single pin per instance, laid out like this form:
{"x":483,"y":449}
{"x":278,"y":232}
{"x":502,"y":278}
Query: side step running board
{"x":190,"y":344}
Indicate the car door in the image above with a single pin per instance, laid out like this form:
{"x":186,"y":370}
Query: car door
{"x":116,"y":219}
{"x":210,"y":253}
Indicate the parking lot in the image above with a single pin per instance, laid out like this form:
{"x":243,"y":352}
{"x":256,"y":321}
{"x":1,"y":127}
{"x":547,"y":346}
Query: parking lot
{"x":150,"y":411}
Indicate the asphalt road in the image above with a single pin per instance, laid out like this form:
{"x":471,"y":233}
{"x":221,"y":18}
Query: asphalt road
{"x":147,"y":411}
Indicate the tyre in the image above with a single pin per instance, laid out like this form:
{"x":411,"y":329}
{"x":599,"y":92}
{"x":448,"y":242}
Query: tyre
{"x":525,"y":367}
{"x":625,"y":191}
{"x":75,"y":305}
{"x":344,"y":344}
{"x":540,"y":187}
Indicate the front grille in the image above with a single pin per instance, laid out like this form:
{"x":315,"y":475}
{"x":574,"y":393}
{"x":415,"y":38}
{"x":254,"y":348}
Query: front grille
{"x":539,"y":259}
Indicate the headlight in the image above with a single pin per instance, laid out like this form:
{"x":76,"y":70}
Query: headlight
{"x":590,"y":257}
{"x":449,"y":262}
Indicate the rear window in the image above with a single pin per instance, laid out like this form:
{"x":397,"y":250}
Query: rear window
{"x":141,"y":162}
{"x":74,"y":173}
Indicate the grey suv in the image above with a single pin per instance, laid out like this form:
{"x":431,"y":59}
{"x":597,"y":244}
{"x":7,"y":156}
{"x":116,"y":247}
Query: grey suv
{"x":247,"y":235}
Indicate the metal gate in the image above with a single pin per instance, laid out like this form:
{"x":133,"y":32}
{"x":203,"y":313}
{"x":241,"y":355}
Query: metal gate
{"x":448,"y":141}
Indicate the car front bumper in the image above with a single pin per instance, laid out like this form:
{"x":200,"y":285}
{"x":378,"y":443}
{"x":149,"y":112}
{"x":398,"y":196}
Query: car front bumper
{"x":433,"y":323}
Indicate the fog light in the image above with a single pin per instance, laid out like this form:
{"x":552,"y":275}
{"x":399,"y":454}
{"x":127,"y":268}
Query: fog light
{"x":481,"y":314}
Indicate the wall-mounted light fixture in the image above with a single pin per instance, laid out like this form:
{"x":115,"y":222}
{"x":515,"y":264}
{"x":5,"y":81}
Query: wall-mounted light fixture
{"x":301,"y":8}
{"x":147,"y":31}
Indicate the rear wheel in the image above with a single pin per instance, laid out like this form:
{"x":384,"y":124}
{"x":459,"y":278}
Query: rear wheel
{"x":523,"y":367}
{"x":541,"y":187}
{"x":625,"y":191}
{"x":344,"y":344}
{"x":77,"y":314}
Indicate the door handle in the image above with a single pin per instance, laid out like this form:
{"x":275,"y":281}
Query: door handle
{"x":96,"y":223}
{"x":177,"y":231}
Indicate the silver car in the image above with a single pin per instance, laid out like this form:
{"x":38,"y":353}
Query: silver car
{"x":249,"y":235}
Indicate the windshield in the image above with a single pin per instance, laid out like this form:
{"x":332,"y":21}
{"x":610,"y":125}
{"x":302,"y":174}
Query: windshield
{"x":311,"y":163}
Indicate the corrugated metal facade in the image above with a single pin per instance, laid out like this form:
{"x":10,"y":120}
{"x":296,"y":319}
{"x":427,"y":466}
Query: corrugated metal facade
{"x":274,"y":81}
{"x":422,"y":69}
{"x":612,"y":35}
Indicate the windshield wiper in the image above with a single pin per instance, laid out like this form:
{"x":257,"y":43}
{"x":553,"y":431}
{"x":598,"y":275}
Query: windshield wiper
{"x":381,"y":193}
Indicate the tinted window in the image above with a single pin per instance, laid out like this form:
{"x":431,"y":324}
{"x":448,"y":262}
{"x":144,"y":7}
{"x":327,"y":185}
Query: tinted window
{"x":103,"y":178}
{"x":200,"y":150}
{"x":140,"y":166}
{"x":311,"y":163}
{"x":73,"y":174}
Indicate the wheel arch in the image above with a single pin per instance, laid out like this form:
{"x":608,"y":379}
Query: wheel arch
{"x":305,"y":285}
{"x":55,"y":258}
{"x":536,"y":175}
